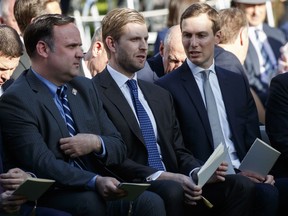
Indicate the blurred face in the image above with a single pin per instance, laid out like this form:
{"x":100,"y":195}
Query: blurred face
{"x":255,"y":13}
{"x":198,"y":40}
{"x":53,"y":8}
{"x":64,"y":60}
{"x":173,"y":55}
{"x":7,"y":66}
{"x":9,"y":19}
{"x":129,"y":53}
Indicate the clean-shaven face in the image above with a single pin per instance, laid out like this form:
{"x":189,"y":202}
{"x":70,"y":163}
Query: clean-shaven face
{"x":198,"y":40}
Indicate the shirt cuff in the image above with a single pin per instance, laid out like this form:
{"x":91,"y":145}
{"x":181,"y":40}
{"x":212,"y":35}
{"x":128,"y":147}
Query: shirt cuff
{"x":154,"y":176}
{"x":103,"y":153}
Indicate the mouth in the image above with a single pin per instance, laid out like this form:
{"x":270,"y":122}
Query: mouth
{"x":141,"y":57}
{"x":194,"y":53}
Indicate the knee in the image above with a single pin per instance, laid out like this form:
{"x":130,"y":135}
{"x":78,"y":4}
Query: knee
{"x":149,"y":203}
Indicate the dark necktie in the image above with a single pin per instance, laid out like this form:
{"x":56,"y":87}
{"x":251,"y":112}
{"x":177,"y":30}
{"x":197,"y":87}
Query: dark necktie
{"x":154,"y":159}
{"x":213,"y":116}
{"x":62,"y":94}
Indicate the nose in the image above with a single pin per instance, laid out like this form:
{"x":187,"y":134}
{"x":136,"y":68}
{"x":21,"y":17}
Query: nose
{"x":194,"y":41}
{"x":144,"y":44}
{"x":79,"y":53}
{"x":5,"y":75}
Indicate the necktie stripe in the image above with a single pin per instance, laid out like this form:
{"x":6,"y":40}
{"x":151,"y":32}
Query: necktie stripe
{"x":61,"y":92}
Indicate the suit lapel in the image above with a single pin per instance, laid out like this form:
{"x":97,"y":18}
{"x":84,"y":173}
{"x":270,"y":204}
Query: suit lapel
{"x":44,"y":96}
{"x":189,"y":83}
{"x":226,"y":91}
{"x":115,"y":96}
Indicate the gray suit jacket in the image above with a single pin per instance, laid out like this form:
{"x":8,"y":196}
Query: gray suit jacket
{"x":32,"y":126}
{"x":276,"y":39}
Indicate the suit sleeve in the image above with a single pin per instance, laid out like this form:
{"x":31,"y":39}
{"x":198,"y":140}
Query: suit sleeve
{"x":277,"y":114}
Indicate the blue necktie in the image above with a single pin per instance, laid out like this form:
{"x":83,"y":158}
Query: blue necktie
{"x":154,"y":159}
{"x":213,"y":116}
{"x":61,"y":92}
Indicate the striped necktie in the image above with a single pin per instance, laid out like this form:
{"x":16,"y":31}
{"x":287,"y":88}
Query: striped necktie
{"x":154,"y":159}
{"x":213,"y":116}
{"x":267,"y":62}
{"x":62,"y":94}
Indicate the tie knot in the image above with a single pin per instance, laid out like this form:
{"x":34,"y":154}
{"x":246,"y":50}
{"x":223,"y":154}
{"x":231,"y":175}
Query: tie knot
{"x":205,"y":74}
{"x":132,"y":84}
{"x":61,"y":91}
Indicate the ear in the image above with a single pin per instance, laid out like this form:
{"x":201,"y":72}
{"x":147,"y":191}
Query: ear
{"x":161,"y":48}
{"x":97,"y":48}
{"x":110,"y":42}
{"x":217,"y":37}
{"x":241,"y":35}
{"x":42,"y":49}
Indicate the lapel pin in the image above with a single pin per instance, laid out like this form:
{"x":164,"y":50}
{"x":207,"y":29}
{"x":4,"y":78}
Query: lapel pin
{"x":74,"y":91}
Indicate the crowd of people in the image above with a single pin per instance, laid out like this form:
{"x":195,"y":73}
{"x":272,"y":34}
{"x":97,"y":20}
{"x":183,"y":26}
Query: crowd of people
{"x":92,"y":119}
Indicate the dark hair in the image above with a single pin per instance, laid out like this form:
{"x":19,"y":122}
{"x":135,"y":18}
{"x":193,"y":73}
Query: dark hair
{"x":42,"y":29}
{"x":10,"y":42}
{"x":196,"y":9}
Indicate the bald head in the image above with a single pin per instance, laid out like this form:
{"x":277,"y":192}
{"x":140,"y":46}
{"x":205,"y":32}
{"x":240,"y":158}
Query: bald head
{"x":172,"y":50}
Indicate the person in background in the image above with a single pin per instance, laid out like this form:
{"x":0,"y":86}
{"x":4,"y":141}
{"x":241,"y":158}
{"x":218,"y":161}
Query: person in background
{"x":96,"y":57}
{"x":261,"y":63}
{"x":25,"y":11}
{"x":170,"y":56}
{"x":63,"y":133}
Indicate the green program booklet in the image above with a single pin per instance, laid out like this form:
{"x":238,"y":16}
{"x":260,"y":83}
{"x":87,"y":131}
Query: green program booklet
{"x":33,"y":188}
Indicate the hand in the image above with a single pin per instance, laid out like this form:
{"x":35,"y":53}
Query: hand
{"x":11,"y":203}
{"x":254,"y":176}
{"x":81,"y":144}
{"x":192,"y":191}
{"x":219,"y":174}
{"x":13,"y":178}
{"x":108,"y":188}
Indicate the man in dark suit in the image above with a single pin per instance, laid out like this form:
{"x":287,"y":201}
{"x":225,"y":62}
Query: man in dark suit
{"x":126,"y":56}
{"x":259,"y":74}
{"x":11,"y":49}
{"x":237,"y":112}
{"x":71,"y":143}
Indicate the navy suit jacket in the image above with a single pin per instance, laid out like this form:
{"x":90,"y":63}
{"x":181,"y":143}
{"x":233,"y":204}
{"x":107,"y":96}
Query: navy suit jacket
{"x":175,"y":157}
{"x":277,"y":121}
{"x":276,"y":39}
{"x":32,"y":126}
{"x":191,"y":112}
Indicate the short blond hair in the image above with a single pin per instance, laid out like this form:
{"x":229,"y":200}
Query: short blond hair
{"x":115,"y":20}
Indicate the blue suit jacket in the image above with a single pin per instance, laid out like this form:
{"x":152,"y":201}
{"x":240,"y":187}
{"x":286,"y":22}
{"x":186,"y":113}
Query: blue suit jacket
{"x":191,"y":112}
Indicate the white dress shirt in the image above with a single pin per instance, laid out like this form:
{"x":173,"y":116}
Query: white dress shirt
{"x":196,"y":71}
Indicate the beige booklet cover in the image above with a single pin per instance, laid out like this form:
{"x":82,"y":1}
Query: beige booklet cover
{"x":33,"y":188}
{"x":133,"y":189}
{"x":211,"y":165}
{"x":260,"y":158}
